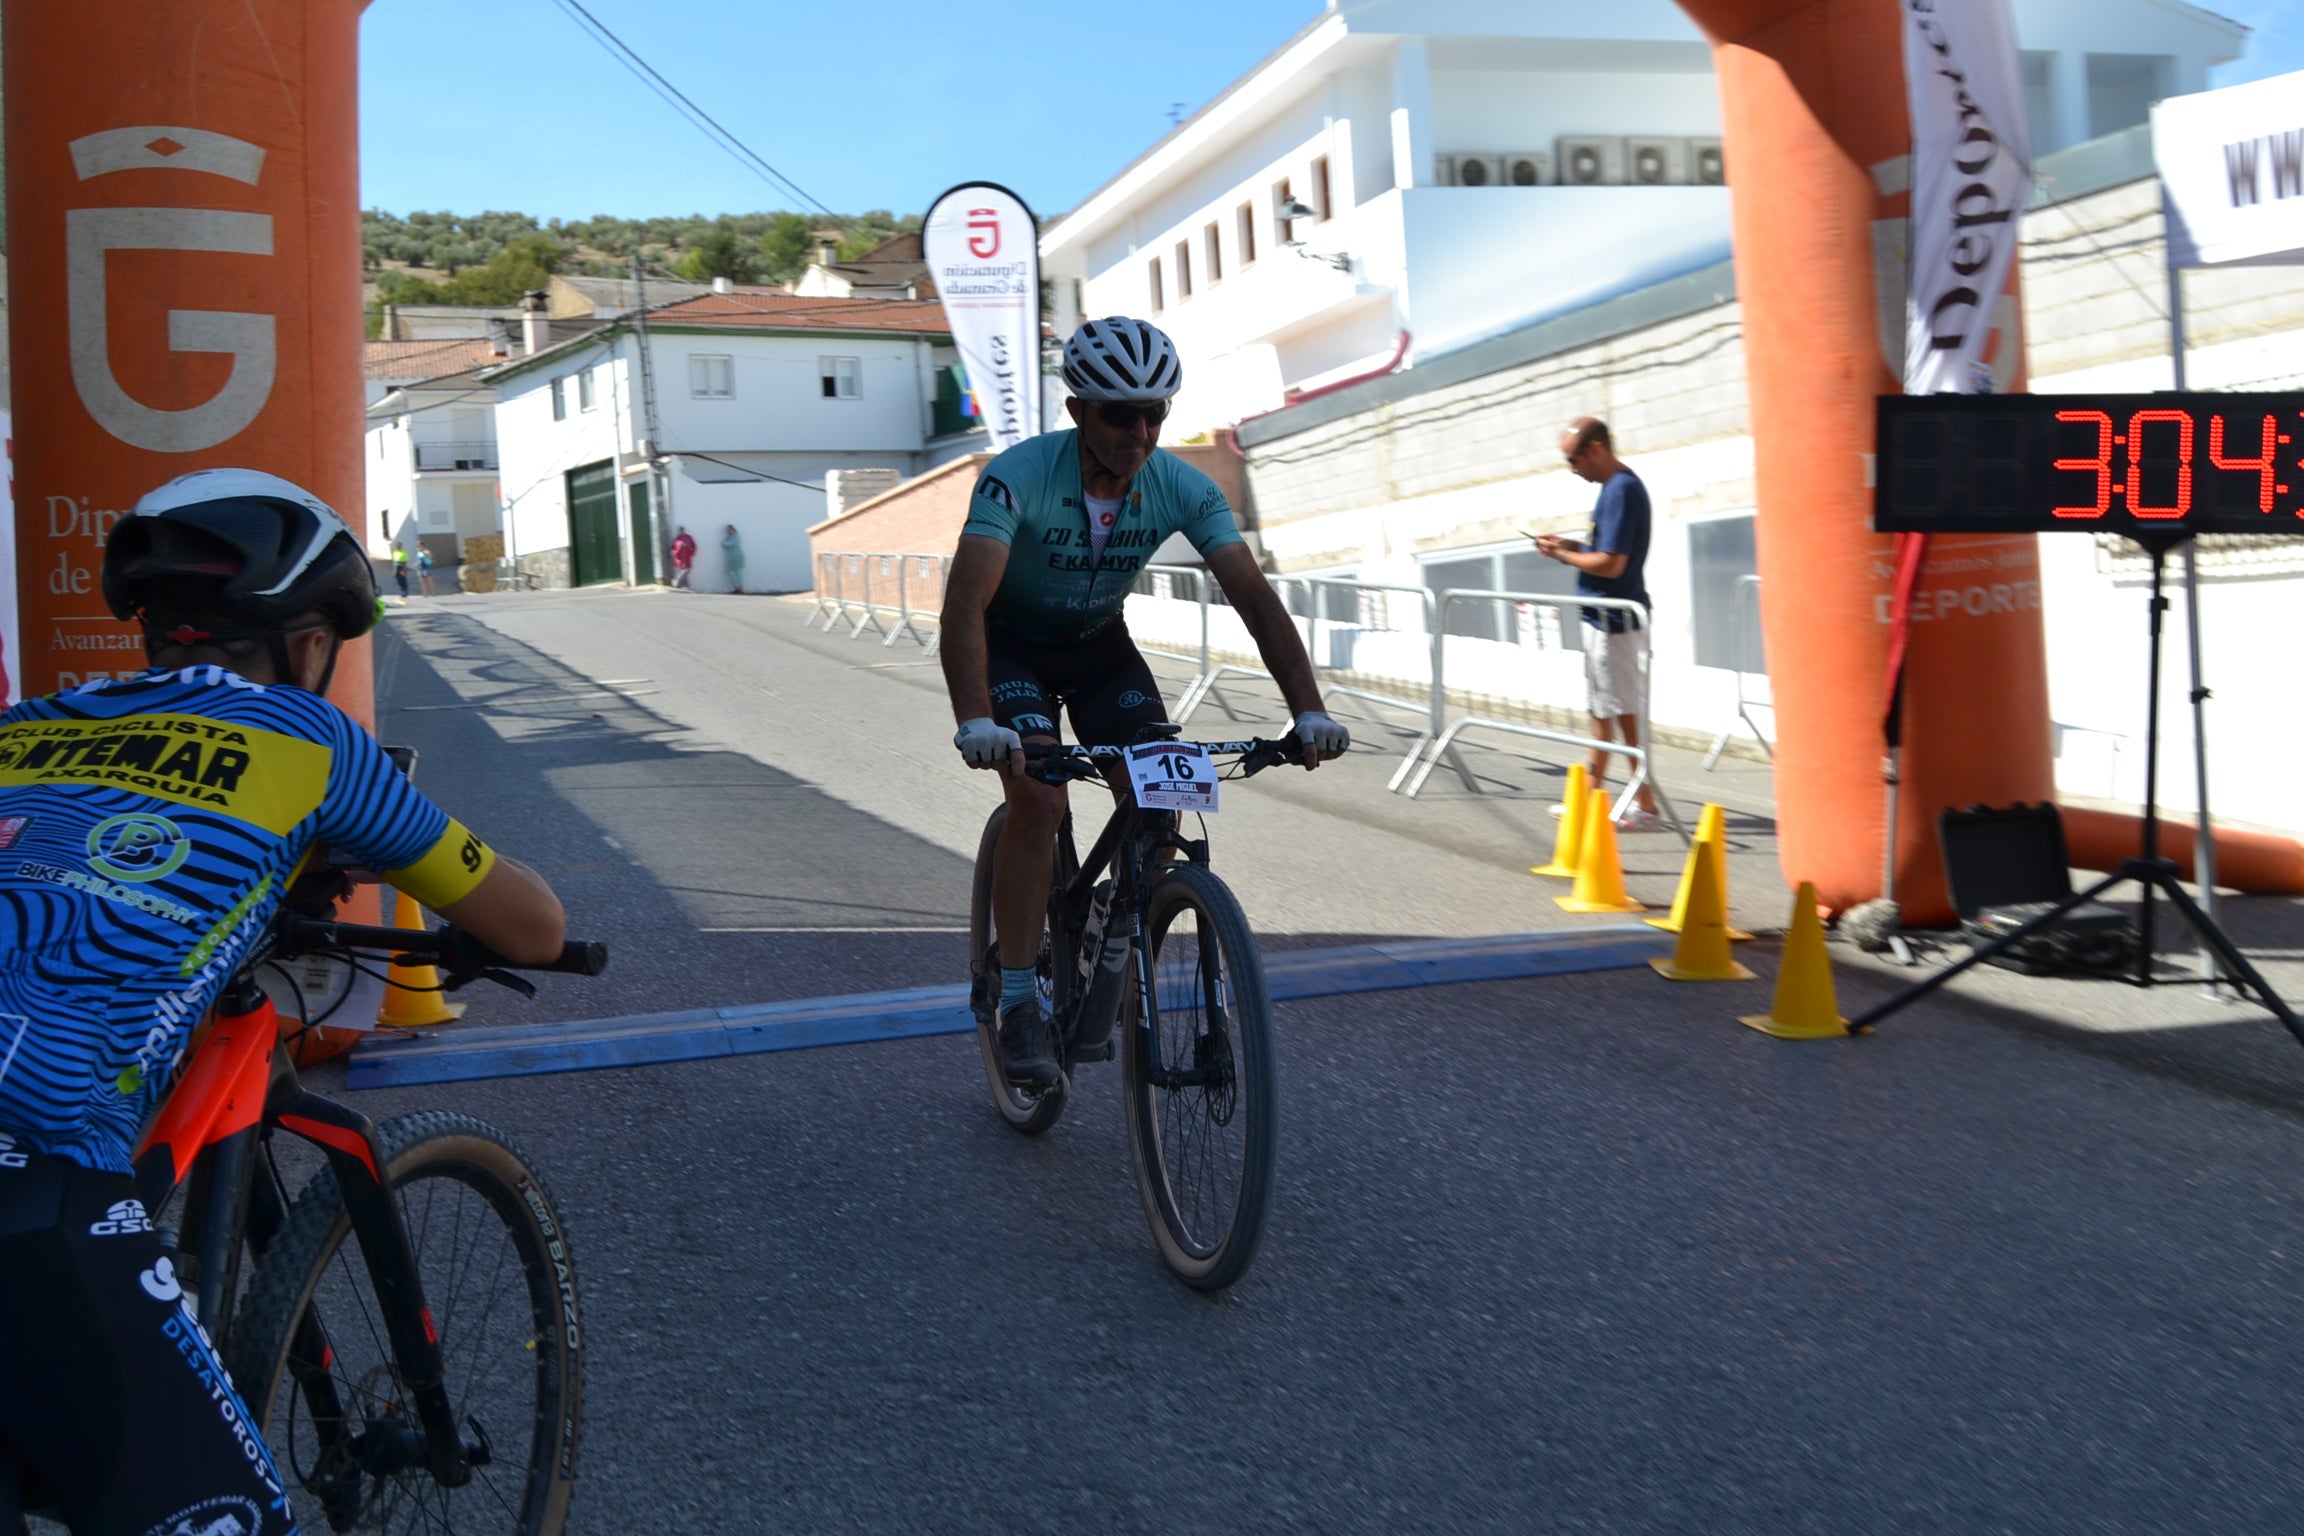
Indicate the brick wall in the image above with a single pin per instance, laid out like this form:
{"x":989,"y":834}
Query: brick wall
{"x":2096,"y":292}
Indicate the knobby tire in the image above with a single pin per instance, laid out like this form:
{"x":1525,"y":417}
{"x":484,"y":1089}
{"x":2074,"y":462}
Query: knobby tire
{"x":1205,"y":1151}
{"x":493,"y":1259}
{"x":1029,"y":1114}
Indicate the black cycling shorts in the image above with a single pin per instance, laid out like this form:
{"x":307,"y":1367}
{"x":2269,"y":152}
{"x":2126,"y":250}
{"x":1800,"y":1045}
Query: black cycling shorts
{"x":1101,"y":682}
{"x":113,"y":1406}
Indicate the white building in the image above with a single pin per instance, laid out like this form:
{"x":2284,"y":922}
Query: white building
{"x":1470,"y":166}
{"x":430,"y":448}
{"x":431,"y":467}
{"x":757,"y":398}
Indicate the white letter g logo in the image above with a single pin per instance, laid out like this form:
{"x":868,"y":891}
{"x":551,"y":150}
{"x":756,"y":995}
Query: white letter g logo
{"x":89,"y":233}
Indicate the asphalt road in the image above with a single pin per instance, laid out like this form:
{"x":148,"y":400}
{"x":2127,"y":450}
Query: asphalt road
{"x":1570,"y":1254}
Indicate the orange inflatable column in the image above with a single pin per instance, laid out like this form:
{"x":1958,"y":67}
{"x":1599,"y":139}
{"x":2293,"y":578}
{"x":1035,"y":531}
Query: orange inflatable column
{"x":1812,"y":99}
{"x":184,"y":271}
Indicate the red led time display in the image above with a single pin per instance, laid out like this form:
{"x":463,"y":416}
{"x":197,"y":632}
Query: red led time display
{"x":2167,"y":463}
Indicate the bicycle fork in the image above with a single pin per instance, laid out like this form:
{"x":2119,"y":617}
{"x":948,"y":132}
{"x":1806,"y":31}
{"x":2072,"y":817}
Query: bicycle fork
{"x":349,"y":1140}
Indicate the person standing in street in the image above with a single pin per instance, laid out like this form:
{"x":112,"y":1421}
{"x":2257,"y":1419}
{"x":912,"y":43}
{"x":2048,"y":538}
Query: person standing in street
{"x":1610,"y":561}
{"x":683,"y":559}
{"x":424,"y":571}
{"x":400,"y":569}
{"x":732,"y":552}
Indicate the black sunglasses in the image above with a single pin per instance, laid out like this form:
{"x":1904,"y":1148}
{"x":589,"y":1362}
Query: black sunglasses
{"x":1122,"y":415}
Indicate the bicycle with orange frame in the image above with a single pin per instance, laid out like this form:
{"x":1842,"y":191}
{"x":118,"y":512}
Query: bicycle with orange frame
{"x":435,"y":1382}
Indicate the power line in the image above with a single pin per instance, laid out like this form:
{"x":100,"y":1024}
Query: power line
{"x":742,"y":153}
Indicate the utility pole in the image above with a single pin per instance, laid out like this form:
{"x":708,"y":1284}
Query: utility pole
{"x":659,"y":515}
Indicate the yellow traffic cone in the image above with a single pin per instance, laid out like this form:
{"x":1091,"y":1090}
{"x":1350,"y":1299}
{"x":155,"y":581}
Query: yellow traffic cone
{"x":412,"y":996}
{"x":1599,"y":872}
{"x":1569,"y":840}
{"x":1711,"y":827}
{"x":1806,"y":1007}
{"x":1702,"y":953}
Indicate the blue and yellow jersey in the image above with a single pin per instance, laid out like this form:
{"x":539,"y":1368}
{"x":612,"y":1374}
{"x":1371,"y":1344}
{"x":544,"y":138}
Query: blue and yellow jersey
{"x":1054,"y":589}
{"x":148,"y":830}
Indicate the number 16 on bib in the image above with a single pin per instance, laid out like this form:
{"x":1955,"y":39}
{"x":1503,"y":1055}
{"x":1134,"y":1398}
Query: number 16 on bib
{"x":1173,"y":776}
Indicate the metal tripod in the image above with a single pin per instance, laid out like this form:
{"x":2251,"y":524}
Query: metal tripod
{"x":2148,"y":870}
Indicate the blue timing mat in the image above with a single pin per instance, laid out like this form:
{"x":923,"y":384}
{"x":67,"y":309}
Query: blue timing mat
{"x":522,"y":1050}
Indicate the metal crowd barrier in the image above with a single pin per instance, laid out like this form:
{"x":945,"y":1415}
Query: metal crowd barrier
{"x":1445,"y":734}
{"x":1306,"y":598}
{"x":1747,"y":597}
{"x":845,"y":594}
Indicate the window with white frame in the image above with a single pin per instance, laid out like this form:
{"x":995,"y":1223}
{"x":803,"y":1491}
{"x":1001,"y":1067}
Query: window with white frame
{"x":1159,"y":294}
{"x":1244,"y":233}
{"x":586,"y":399}
{"x":1507,"y":568}
{"x":1321,"y":210}
{"x":842,"y":378}
{"x":1213,"y":250}
{"x":711,"y":376}
{"x":560,"y":399}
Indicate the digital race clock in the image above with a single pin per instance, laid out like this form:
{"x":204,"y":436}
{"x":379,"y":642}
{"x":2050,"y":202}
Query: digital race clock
{"x":2166,"y":464}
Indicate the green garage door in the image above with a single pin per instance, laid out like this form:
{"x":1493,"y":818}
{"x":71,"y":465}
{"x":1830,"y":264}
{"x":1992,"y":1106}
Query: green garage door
{"x":595,"y":553}
{"x":643,"y":537}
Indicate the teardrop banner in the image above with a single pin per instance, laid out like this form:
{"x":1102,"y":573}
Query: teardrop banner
{"x":184,"y":270}
{"x":983,"y":245}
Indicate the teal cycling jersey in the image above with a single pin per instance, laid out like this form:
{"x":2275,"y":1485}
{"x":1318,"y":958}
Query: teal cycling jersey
{"x":1055,"y":589}
{"x":148,"y":830}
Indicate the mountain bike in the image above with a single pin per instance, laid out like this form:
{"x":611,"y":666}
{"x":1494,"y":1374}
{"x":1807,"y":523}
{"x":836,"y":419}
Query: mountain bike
{"x":1154,"y":961}
{"x":435,"y":1381}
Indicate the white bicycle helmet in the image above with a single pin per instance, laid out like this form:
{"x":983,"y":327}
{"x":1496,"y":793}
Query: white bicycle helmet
{"x":1121,"y":359}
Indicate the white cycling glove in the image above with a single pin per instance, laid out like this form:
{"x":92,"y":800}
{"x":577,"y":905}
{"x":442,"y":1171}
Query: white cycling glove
{"x":1322,"y":734}
{"x":985,"y":743}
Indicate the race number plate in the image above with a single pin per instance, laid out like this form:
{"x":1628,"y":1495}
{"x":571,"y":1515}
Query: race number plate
{"x":1173,"y":776}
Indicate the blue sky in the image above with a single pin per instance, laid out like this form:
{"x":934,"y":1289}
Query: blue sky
{"x":476,"y":104}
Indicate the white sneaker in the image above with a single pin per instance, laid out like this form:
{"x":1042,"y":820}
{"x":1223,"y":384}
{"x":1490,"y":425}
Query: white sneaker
{"x":1638,"y":819}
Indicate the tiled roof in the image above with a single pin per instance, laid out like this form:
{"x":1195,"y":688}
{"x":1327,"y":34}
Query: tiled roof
{"x":410,"y":360}
{"x":408,"y":363}
{"x":894,"y":248}
{"x":791,"y":311}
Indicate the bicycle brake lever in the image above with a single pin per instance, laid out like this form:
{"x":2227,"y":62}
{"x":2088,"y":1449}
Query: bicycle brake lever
{"x":517,"y":983}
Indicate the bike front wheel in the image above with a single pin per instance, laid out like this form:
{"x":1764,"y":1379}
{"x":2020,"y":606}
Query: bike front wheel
{"x":313,"y":1361}
{"x":1200,"y":1079}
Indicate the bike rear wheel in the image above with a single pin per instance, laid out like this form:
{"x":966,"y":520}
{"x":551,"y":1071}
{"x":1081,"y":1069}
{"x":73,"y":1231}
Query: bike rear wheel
{"x":1029,"y":1113}
{"x":1200,"y":1081}
{"x":316,"y":1368}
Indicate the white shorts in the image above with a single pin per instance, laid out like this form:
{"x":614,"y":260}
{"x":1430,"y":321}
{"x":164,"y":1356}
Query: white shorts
{"x":1613,"y":671}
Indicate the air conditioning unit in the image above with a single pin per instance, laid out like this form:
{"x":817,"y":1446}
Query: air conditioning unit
{"x":1590,"y":162}
{"x":1531,"y":168}
{"x":1470,"y":170}
{"x":1707,"y":167}
{"x":1656,"y":162}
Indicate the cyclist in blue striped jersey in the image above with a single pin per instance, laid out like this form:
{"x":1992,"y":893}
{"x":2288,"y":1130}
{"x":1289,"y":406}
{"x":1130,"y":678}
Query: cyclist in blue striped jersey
{"x":149,"y":828}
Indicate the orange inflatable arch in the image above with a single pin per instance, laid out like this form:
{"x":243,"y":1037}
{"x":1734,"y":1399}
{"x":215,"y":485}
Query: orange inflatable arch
{"x":183,"y":200}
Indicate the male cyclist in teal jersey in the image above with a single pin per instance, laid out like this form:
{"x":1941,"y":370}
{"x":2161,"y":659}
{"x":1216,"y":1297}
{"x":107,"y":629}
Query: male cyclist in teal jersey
{"x":149,"y":829}
{"x":1058,"y":528}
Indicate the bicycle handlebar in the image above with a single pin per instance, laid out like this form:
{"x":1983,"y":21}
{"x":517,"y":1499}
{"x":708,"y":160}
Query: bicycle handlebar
{"x":1063,"y":761}
{"x":452,"y":947}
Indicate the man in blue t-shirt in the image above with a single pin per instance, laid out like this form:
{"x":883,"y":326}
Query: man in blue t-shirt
{"x":1610,"y":562}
